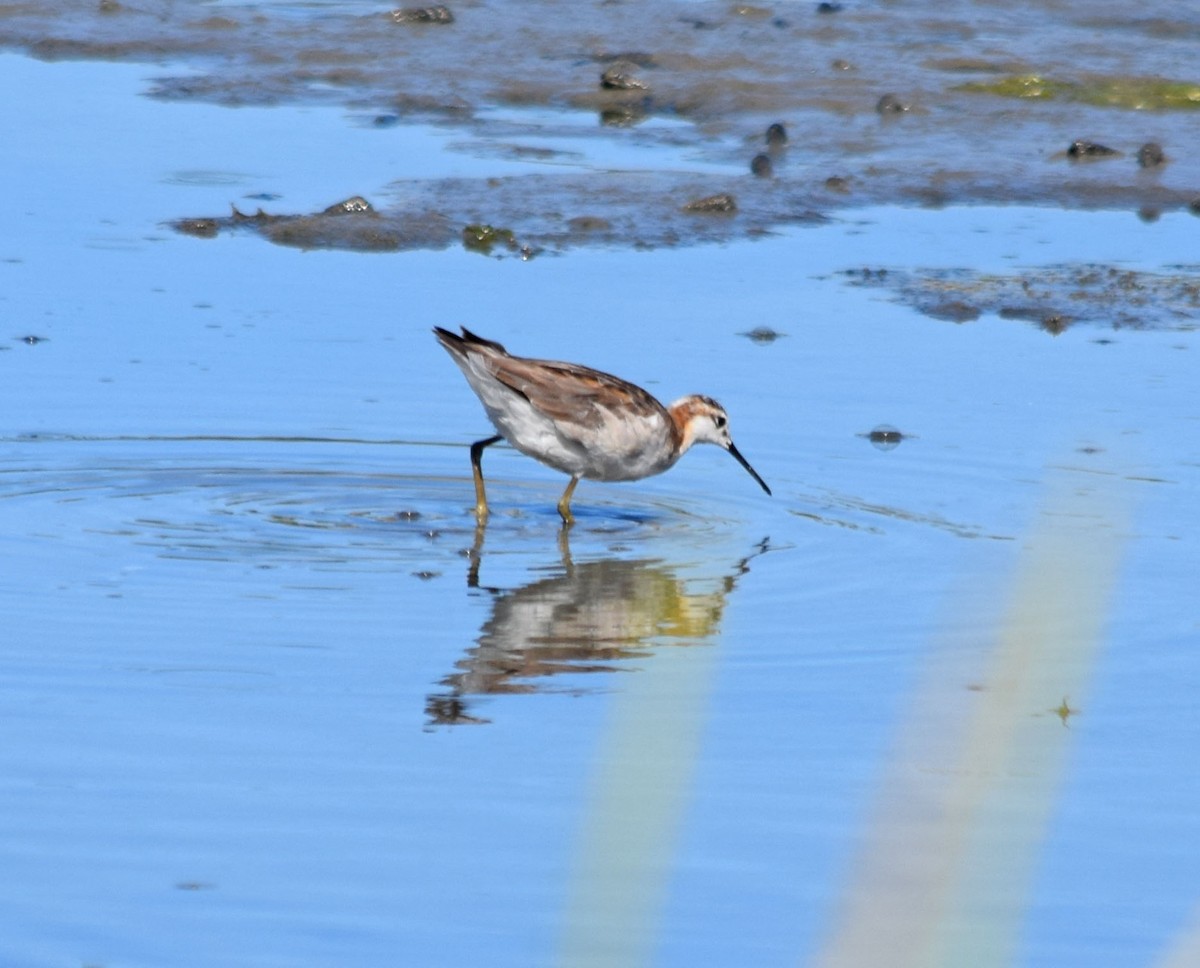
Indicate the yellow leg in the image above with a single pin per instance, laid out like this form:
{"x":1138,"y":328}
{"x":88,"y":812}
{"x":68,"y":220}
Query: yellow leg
{"x":481,"y":507}
{"x":564,"y":549}
{"x":564,"y":503}
{"x":476,"y":558}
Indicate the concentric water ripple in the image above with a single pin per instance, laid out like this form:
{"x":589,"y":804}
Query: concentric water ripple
{"x":272,"y":503}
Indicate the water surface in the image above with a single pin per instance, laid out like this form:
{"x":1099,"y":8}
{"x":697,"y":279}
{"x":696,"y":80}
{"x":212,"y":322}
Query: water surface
{"x":272,"y":698}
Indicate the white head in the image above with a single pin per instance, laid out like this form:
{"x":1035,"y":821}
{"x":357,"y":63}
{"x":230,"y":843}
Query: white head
{"x":701,"y":420}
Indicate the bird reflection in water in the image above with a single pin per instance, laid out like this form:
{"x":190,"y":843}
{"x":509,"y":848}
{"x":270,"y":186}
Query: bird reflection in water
{"x":584,"y":618}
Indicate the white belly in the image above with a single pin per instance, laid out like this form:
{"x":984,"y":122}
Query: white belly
{"x":618,"y":450}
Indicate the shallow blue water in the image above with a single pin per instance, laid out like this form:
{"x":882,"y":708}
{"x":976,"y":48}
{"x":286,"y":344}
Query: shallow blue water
{"x":244,"y":593}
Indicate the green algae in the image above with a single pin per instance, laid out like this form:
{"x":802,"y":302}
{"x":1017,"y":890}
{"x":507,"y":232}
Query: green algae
{"x":1134,"y":93}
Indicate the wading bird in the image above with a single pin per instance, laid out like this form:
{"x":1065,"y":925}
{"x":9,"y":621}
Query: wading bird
{"x":580,"y":421}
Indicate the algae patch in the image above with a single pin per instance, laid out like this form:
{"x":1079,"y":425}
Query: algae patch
{"x":1131,"y":93}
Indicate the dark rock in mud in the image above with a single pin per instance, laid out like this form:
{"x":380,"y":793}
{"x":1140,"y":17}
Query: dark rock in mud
{"x":777,"y":135}
{"x":723,"y":204}
{"x":1150,"y":155}
{"x":891,"y":104}
{"x":885,"y":437}
{"x":622,"y":98}
{"x":357,"y":205}
{"x":762,"y":334}
{"x":1089,"y":149}
{"x":826,"y":7}
{"x":761,"y":166}
{"x":422,"y":15}
{"x":837,"y":184}
{"x":621,"y":77}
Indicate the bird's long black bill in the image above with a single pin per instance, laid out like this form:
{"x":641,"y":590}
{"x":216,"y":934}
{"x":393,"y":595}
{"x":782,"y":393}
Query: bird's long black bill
{"x":737,"y":455}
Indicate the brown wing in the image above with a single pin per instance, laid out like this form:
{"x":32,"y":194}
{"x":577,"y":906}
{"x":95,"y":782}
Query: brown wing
{"x":570,"y":394}
{"x":567,"y":393}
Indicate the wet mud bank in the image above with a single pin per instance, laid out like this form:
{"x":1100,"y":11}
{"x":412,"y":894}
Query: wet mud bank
{"x":530,"y":215}
{"x":1052,"y":298}
{"x":773,"y":113}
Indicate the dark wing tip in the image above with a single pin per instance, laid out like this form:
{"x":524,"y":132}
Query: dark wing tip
{"x":454,"y":341}
{"x":469,"y":337}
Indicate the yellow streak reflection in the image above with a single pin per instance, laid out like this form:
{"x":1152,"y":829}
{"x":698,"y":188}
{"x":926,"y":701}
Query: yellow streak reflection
{"x":639,"y":792}
{"x":1185,"y":953}
{"x":947,"y":861}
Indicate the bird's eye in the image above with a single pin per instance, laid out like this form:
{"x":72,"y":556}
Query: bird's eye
{"x":719,"y":420}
